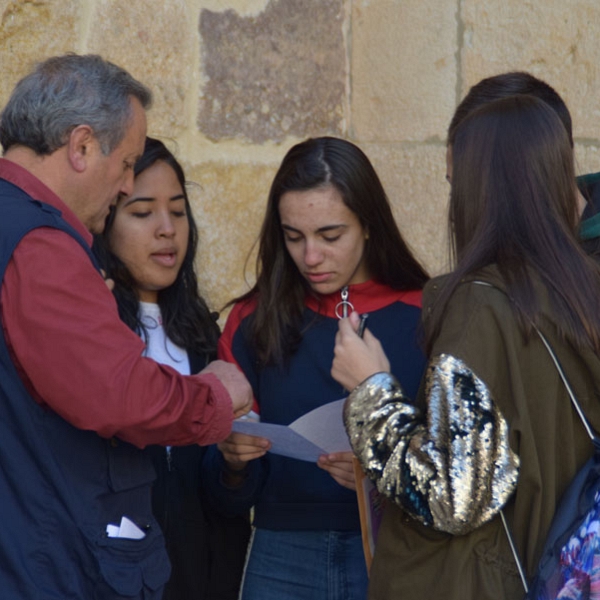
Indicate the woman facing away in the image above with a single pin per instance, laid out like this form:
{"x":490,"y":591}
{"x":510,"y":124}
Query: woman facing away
{"x":493,"y":428}
{"x":519,"y":82}
{"x":328,"y":245}
{"x":148,"y":248}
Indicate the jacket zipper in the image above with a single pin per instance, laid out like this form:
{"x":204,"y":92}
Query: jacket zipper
{"x":344,"y":304}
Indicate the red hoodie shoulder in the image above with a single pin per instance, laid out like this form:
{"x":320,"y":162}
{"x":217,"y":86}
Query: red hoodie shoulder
{"x":412,"y":297}
{"x":238,"y":313}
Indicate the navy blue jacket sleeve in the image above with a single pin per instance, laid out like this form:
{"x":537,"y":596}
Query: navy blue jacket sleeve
{"x":234,"y":500}
{"x":227,"y":500}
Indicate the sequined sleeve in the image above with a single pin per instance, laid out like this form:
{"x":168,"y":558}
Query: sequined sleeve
{"x":451,"y":468}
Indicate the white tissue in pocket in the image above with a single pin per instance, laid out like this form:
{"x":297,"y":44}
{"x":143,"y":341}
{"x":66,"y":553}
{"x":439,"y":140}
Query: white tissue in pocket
{"x":127,"y":529}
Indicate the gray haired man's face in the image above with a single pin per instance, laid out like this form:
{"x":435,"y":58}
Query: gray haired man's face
{"x":112,"y":176}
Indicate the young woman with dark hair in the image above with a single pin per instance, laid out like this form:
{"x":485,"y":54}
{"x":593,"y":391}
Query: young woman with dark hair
{"x":504,"y":85}
{"x":494,"y":429}
{"x":328,"y":244}
{"x":186,"y":317}
{"x":148,"y":248}
{"x":515,"y":83}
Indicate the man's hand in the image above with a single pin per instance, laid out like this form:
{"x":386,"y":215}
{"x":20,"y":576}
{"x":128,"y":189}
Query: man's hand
{"x":235,"y":383}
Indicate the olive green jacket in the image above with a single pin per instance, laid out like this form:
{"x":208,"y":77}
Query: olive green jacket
{"x":496,"y":428}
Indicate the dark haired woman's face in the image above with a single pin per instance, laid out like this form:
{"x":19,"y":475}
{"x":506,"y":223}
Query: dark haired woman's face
{"x":324,"y":238}
{"x":151,"y":229}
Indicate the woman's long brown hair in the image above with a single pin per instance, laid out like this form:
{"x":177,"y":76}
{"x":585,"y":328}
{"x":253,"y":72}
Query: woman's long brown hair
{"x":513,"y":203}
{"x":280,"y":289}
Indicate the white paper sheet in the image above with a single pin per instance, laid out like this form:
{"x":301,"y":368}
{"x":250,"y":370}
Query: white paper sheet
{"x":320,"y":431}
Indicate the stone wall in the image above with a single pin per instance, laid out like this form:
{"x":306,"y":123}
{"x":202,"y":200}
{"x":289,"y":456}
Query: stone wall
{"x":237,"y":82}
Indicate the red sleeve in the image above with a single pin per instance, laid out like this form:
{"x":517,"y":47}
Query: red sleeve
{"x":413,"y":297}
{"x":225,"y":348}
{"x":77,"y":357}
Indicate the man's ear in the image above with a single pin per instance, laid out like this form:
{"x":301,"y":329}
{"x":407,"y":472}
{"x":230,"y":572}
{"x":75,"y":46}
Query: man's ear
{"x":80,"y":145}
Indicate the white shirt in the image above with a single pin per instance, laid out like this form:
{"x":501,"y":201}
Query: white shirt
{"x":158,"y":346}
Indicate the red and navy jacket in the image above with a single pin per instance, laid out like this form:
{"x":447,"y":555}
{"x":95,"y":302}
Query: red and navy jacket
{"x":290,"y":494}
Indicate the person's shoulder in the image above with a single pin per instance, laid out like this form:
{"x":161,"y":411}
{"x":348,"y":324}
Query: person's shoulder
{"x":240,"y":311}
{"x":588,"y":179}
{"x":373,"y":296}
{"x":483,"y":287}
{"x":432,"y":289}
{"x":475,"y":312}
{"x":412,"y":297}
{"x":589,"y":186}
{"x":50,"y":245}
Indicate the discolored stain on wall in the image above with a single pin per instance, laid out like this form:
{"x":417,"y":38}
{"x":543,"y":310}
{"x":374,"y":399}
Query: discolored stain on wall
{"x":281,"y":73}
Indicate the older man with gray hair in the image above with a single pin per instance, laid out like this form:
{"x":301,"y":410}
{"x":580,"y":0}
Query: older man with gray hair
{"x":77,"y":399}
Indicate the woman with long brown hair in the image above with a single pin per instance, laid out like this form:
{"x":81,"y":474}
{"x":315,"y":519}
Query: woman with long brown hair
{"x":494,"y":429}
{"x":329,"y":244}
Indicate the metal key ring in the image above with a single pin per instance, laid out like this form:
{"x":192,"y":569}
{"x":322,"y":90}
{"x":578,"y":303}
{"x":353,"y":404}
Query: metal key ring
{"x":344,"y":305}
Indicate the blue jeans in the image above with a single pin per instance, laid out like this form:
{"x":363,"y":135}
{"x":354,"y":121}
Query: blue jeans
{"x":304,"y":565}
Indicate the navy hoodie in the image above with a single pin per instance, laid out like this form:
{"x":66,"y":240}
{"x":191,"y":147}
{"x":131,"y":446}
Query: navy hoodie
{"x":290,"y":494}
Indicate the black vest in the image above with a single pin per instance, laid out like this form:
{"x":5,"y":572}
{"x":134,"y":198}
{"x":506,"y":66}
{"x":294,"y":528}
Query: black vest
{"x":60,"y":486}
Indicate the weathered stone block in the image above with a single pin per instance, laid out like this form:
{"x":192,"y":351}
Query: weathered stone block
{"x":28,"y":34}
{"x":278,"y":74}
{"x":551,"y":40}
{"x":155,"y":43}
{"x":229,"y":203}
{"x":403,"y":69}
{"x":413,"y":176}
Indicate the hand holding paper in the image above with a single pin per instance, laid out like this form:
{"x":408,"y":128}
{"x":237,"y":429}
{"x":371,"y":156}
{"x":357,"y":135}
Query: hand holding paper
{"x":339,"y":466}
{"x":239,"y":448}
